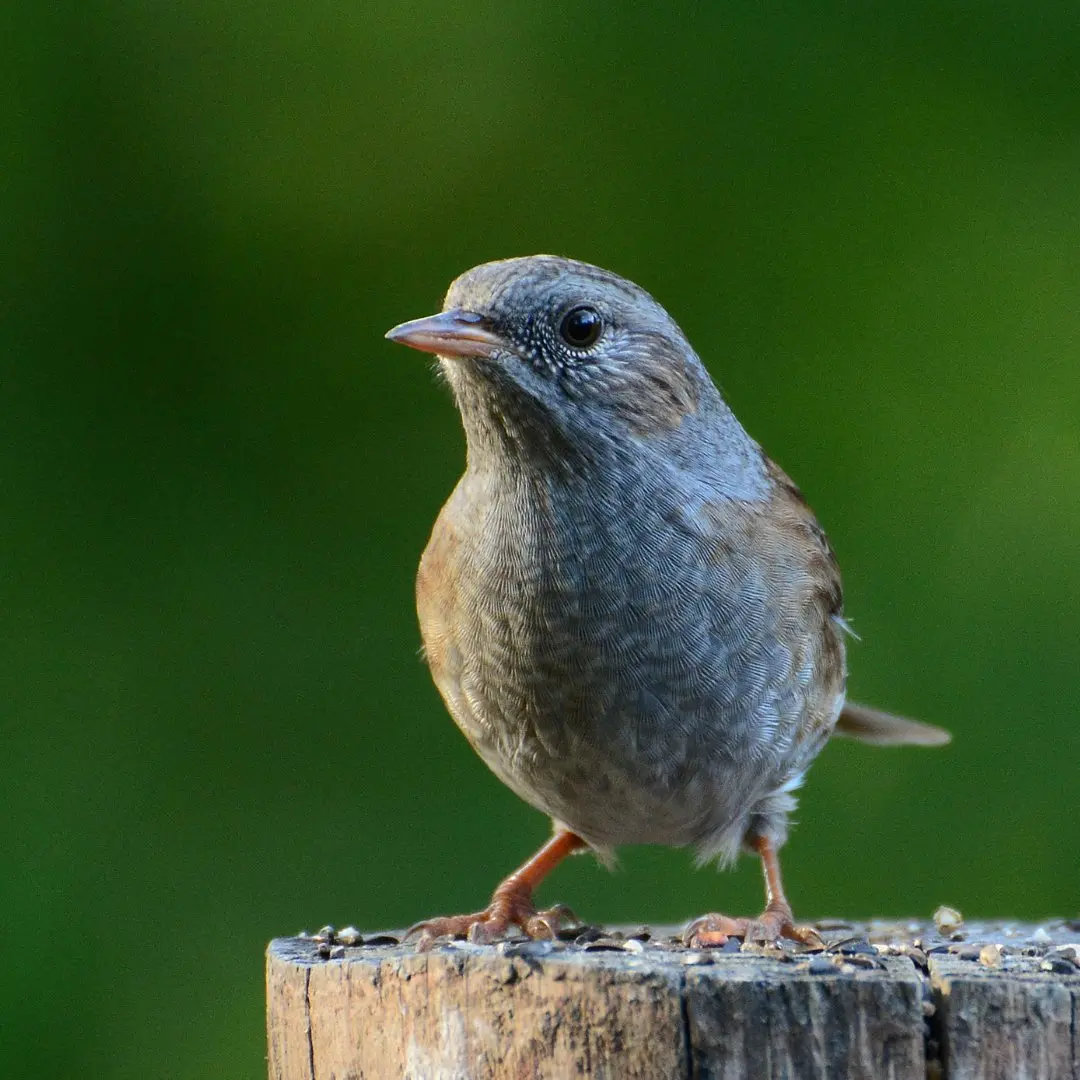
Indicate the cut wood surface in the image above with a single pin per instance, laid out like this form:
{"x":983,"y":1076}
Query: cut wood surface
{"x":886,"y":999}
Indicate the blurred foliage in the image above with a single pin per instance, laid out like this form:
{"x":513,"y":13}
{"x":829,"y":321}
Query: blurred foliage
{"x":217,"y":477}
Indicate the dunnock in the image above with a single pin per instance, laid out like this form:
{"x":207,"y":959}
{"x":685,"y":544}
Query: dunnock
{"x":629,"y":610}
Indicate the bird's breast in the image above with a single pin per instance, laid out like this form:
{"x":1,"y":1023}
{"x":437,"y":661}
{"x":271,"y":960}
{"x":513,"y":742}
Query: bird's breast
{"x":618,"y":639}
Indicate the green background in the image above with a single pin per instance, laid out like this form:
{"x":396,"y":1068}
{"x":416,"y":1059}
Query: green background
{"x":217,"y":478}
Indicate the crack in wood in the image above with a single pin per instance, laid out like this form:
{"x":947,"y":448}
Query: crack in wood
{"x":307,"y":1023}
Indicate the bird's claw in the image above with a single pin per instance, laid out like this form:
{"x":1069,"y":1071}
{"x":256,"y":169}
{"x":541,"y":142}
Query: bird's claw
{"x":712,"y":931}
{"x":443,"y":926}
{"x":548,"y":923}
{"x":493,"y":923}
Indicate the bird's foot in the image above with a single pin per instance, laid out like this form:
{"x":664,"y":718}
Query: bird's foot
{"x":483,"y":927}
{"x":775,"y":922}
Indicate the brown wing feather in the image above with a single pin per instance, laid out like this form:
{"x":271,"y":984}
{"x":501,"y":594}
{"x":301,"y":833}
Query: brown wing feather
{"x":884,"y":729}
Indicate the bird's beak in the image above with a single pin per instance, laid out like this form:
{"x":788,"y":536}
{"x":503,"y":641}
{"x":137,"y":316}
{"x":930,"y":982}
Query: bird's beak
{"x":452,"y":333}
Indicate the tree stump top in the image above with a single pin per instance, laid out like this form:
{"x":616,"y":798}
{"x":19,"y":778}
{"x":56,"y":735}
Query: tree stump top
{"x":892,"y":999}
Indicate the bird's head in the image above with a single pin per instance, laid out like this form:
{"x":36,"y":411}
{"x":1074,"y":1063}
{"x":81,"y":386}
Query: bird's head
{"x":554,"y":356}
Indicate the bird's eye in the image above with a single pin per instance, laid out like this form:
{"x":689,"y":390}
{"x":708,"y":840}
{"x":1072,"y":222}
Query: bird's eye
{"x":581,"y":327}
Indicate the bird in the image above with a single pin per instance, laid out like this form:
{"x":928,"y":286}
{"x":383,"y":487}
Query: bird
{"x":628,"y":608}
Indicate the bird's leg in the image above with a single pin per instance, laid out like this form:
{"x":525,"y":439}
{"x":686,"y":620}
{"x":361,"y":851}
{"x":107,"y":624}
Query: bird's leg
{"x":775,"y":922}
{"x":512,"y":903}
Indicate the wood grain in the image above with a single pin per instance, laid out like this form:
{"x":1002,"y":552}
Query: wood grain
{"x":886,"y":1000}
{"x":1014,"y":1024}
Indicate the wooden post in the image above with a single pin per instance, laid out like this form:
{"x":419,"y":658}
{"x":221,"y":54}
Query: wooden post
{"x":884,"y":1001}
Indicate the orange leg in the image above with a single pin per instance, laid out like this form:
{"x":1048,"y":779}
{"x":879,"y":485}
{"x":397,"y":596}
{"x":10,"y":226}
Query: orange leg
{"x":775,"y":922}
{"x":512,"y":903}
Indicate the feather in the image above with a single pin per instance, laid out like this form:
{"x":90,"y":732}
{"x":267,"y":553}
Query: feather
{"x":884,"y":729}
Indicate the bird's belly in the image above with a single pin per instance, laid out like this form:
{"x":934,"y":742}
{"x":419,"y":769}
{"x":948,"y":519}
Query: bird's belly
{"x":636,"y":694}
{"x":622,"y":743}
{"x":610,"y":802}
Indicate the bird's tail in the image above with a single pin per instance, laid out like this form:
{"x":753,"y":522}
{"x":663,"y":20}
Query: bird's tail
{"x":884,"y":729}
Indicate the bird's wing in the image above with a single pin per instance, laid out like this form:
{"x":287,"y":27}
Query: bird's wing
{"x":884,"y":729}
